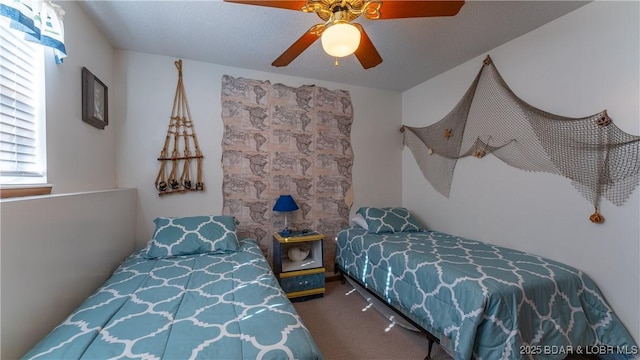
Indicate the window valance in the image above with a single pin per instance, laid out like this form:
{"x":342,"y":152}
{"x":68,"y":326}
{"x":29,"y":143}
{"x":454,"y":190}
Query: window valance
{"x":40,"y":21}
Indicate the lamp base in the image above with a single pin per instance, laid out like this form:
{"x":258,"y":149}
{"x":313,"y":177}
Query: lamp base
{"x":285,"y":232}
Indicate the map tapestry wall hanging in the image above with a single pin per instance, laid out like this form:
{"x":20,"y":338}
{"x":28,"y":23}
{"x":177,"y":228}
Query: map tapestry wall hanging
{"x":286,"y":140}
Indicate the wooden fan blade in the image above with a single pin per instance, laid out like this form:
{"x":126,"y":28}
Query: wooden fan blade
{"x":366,"y":52}
{"x":291,"y":5}
{"x":392,"y":9}
{"x":299,"y":46}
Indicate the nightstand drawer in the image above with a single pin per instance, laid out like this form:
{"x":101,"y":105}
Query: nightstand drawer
{"x":304,"y":282}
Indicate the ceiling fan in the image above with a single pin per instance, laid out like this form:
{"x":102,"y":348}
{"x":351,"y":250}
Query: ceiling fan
{"x":340,"y":37}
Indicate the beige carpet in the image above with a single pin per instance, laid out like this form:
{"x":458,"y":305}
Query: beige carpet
{"x":344,"y":327}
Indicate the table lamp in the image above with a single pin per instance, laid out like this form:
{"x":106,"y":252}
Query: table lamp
{"x":285,"y":204}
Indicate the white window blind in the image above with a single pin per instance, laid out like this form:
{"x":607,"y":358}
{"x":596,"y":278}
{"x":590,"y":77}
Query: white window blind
{"x":22,"y":131}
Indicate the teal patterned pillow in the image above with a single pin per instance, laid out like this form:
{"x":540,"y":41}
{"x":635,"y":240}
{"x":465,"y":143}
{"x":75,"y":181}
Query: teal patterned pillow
{"x":389,"y":220}
{"x":192,"y":235}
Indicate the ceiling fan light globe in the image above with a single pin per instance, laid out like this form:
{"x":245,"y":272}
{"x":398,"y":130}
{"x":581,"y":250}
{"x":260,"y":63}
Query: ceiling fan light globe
{"x":340,"y":39}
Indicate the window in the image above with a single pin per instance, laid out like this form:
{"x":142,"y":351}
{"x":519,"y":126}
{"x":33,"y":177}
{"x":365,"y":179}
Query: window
{"x":22,"y":113}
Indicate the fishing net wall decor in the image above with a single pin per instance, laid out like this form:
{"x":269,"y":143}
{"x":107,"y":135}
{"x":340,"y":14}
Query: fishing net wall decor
{"x":180,"y":140}
{"x":599,"y":158}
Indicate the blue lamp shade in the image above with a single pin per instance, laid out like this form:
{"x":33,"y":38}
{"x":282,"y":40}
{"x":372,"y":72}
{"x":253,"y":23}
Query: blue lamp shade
{"x":285,"y":203}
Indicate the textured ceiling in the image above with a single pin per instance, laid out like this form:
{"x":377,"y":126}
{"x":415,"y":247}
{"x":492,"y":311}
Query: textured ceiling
{"x":251,"y":37}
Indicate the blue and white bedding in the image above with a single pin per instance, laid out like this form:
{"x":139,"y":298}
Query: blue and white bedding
{"x":225,"y":305}
{"x":484,"y":301}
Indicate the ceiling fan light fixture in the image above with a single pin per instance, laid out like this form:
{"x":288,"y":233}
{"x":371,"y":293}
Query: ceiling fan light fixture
{"x":340,"y":39}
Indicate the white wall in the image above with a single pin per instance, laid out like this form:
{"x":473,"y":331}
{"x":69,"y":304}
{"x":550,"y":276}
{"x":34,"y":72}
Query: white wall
{"x":56,"y":250}
{"x":147,"y":85}
{"x":578,"y":65}
{"x":80,"y":157}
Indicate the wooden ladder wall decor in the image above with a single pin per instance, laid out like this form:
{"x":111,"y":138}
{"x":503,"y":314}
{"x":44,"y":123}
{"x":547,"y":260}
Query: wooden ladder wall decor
{"x":180,"y":127}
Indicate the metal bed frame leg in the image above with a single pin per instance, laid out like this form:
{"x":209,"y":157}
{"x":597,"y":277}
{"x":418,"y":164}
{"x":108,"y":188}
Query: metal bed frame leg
{"x":337,"y":271}
{"x":428,"y":357}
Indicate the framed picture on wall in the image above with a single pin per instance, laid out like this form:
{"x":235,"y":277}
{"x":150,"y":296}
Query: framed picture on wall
{"x":95,"y":100}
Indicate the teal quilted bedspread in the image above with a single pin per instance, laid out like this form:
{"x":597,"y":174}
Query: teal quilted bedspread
{"x":483,"y":301}
{"x":206,"y":306}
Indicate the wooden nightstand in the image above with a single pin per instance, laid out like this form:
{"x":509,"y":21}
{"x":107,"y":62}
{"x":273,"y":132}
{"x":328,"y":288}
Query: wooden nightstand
{"x":300,"y":280}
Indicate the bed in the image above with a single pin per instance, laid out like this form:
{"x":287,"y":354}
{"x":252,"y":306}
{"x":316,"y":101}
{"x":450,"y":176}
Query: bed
{"x":195,"y":292}
{"x":478,"y":300}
